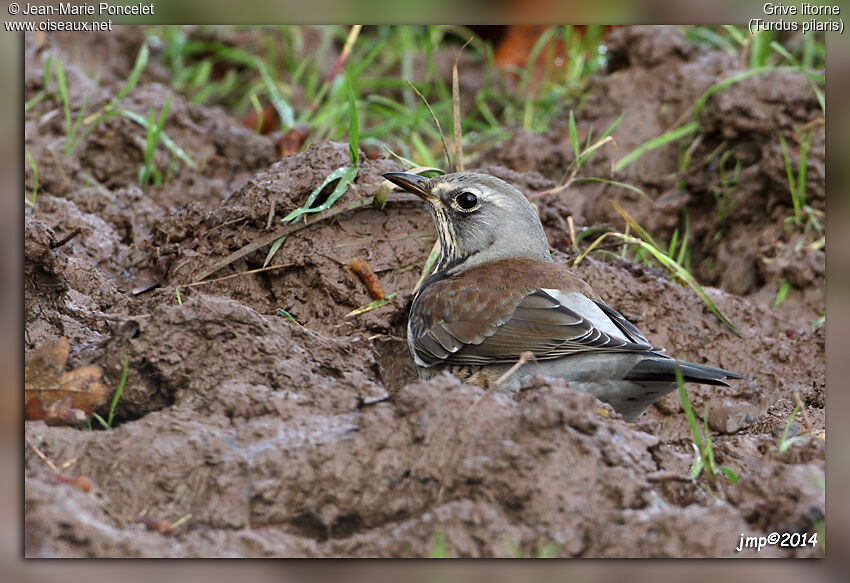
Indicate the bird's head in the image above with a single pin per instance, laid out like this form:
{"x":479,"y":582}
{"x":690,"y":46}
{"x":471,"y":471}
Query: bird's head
{"x":479,"y":218}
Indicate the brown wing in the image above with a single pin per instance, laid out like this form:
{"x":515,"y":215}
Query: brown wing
{"x":486,"y":317}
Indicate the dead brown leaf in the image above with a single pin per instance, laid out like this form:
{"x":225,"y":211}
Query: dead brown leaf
{"x":292,"y":140}
{"x":267,"y":120}
{"x":57,"y":396}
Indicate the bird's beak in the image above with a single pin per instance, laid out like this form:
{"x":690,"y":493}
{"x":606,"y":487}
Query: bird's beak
{"x":413,"y":184}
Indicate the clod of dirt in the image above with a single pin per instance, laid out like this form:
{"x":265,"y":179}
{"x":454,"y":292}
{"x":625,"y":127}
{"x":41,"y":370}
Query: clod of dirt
{"x":730,"y":416}
{"x":202,"y":350}
{"x":645,"y":46}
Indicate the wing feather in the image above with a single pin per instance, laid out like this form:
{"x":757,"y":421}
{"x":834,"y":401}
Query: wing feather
{"x":485,"y":318}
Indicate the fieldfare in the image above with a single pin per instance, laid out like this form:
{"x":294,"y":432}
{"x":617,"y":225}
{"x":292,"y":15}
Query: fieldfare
{"x":496,"y":293}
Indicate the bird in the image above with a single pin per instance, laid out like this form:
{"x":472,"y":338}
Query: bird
{"x":496,"y":294}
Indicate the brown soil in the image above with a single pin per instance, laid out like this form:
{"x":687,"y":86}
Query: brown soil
{"x":314,"y":438}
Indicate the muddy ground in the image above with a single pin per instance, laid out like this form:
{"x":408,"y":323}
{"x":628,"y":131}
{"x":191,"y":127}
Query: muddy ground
{"x":313,"y":438}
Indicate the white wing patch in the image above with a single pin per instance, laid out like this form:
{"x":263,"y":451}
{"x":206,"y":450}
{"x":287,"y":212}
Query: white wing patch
{"x":587,"y":309}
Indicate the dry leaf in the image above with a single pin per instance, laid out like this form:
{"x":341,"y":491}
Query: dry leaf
{"x":267,"y":123}
{"x":292,"y":140}
{"x":59,"y":397}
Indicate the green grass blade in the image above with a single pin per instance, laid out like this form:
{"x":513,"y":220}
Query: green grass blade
{"x":733,"y":477}
{"x":117,"y":396}
{"x":439,"y":547}
{"x":606,"y":138}
{"x":782,"y":293}
{"x":689,"y":413}
{"x":62,"y":84}
{"x":574,"y":137}
{"x":353,"y":127}
{"x":145,"y":170}
{"x":642,"y":233}
{"x":784,"y":441}
{"x":784,"y":52}
{"x":792,"y":186}
{"x":612,"y":127}
{"x":258,"y":111}
{"x":274,"y":248}
{"x":698,"y":464}
{"x":614,"y":183}
{"x":705,"y":35}
{"x":133,"y":78}
{"x":736,"y":34}
{"x":654,"y":143}
{"x":801,"y":168}
{"x":48,"y":73}
{"x":166,"y":141}
{"x":709,"y":450}
{"x":374,"y":305}
{"x":34,"y":178}
{"x":675,"y":268}
{"x":729,"y":81}
{"x":284,"y":110}
{"x":685,"y":276}
{"x":345,"y":175}
{"x":683,"y":250}
{"x":596,"y":243}
{"x":760,"y":48}
{"x":674,"y":240}
{"x":542,"y":41}
{"x":101,"y":420}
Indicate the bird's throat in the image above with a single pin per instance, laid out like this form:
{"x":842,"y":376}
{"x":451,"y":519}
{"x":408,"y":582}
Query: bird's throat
{"x":449,"y":252}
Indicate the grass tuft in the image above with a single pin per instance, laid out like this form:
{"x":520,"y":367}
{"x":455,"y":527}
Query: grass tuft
{"x":646,"y":247}
{"x":344,"y":177}
{"x":703,"y":451}
{"x":148,"y":172}
{"x":31,"y":202}
{"x":353,"y":127}
{"x":107,"y":423}
{"x":662,"y":140}
{"x":805,"y":217}
{"x":786,"y":442}
{"x":782,"y":294}
{"x":439,"y":546}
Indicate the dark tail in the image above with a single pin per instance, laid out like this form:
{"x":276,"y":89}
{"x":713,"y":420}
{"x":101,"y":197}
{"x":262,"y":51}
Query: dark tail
{"x":664,"y":369}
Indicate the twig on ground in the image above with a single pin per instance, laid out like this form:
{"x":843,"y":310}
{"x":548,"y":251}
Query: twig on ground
{"x":43,"y":457}
{"x":232,"y":275}
{"x":293,"y":227}
{"x":66,"y":238}
{"x":799,"y":401}
{"x":271,"y":215}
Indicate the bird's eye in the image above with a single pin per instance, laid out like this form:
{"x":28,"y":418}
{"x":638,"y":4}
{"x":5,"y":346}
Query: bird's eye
{"x":466,"y":200}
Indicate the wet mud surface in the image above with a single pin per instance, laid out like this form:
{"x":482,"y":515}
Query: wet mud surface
{"x":274,"y":437}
